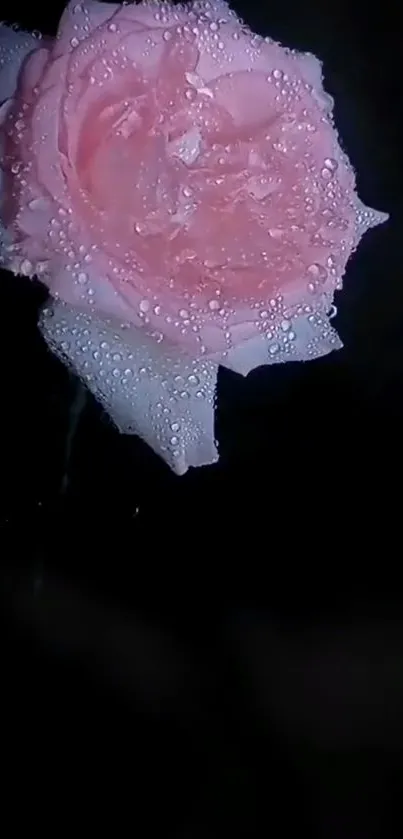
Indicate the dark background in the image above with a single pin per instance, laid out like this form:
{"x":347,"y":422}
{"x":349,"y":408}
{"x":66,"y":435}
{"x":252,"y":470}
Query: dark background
{"x":221,"y":654}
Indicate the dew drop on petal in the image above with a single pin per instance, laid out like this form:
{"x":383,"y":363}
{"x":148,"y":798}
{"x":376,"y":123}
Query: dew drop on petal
{"x":193,"y":380}
{"x":331,"y":163}
{"x":26,"y":267}
{"x":317,"y":271}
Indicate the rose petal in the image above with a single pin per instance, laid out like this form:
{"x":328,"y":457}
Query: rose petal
{"x":227,"y":45}
{"x":15,"y":46}
{"x":129,"y":60}
{"x":309,"y":335}
{"x":156,"y":14}
{"x":80,"y":20}
{"x":148,"y":389}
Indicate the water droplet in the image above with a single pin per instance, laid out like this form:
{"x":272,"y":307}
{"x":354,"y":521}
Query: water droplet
{"x":144,"y":306}
{"x":167,"y":35}
{"x":104,"y":345}
{"x":26,"y":267}
{"x":96,"y":354}
{"x":175,"y":426}
{"x":42,"y":266}
{"x":317,"y":271}
{"x":193,"y":380}
{"x":82,"y":278}
{"x":112,"y":27}
{"x":274,"y":349}
{"x":214,"y":26}
{"x":331,"y":163}
{"x":74,"y":42}
{"x":326,"y":173}
{"x":116,"y":372}
{"x":174,"y":440}
{"x":117,"y":356}
{"x":277,"y":74}
{"x":285,"y":325}
{"x":214,"y":304}
{"x":128,"y":372}
{"x":183,"y":313}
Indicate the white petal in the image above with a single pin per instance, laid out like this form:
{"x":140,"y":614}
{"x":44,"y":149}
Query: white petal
{"x":147,"y":388}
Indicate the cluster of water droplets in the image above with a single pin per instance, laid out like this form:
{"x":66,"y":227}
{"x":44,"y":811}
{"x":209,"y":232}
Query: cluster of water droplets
{"x":167,"y":399}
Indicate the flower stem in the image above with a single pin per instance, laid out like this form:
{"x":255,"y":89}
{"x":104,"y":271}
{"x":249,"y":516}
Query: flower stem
{"x":76,"y":407}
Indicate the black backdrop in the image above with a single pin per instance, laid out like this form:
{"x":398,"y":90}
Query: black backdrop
{"x":219,"y":654}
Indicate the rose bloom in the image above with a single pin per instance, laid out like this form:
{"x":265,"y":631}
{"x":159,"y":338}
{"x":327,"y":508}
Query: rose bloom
{"x":177,"y":183}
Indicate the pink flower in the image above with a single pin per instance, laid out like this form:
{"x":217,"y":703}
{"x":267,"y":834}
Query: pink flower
{"x":178,"y":184}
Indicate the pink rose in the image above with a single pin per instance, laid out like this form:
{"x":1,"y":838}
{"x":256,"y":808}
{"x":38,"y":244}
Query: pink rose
{"x":177,"y":183}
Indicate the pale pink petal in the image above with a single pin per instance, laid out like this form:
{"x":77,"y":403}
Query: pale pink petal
{"x":161,"y":15}
{"x":79,"y":21}
{"x":151,"y":390}
{"x":227,"y":45}
{"x":307,"y":336}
